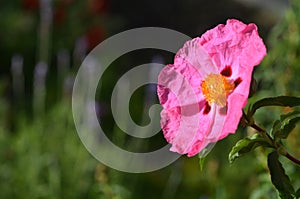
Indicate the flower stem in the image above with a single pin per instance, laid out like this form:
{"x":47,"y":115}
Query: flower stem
{"x":252,"y":124}
{"x":261,"y":130}
{"x":292,"y":158}
{"x":270,"y":139}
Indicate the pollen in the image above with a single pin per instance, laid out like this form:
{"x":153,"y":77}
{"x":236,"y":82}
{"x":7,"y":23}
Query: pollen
{"x":216,"y":88}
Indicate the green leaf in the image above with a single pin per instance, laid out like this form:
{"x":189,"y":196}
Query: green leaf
{"x":246,"y":145}
{"x":274,"y":101}
{"x":275,"y":128}
{"x":283,"y":127}
{"x":283,"y":134}
{"x":290,"y":115}
{"x":279,"y":179}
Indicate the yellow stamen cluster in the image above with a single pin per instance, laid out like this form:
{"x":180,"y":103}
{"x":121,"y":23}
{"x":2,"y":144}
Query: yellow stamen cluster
{"x":215,"y":88}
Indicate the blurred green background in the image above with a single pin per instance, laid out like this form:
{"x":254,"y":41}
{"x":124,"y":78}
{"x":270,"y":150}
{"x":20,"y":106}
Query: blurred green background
{"x":42,"y":44}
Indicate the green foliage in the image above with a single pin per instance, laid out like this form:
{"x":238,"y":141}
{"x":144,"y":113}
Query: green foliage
{"x":283,"y":127}
{"x":280,"y":130}
{"x":279,"y":179}
{"x":246,"y":145}
{"x":45,"y":159}
{"x":280,"y":70}
{"x":287,"y":101}
{"x":279,"y":75}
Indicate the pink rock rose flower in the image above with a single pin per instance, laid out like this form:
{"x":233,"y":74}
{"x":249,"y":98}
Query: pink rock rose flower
{"x":204,"y":91}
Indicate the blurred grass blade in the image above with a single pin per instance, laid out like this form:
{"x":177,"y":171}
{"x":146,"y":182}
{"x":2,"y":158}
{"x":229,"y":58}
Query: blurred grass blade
{"x":274,"y":101}
{"x":39,"y":88}
{"x":279,"y":179}
{"x":45,"y":31}
{"x":246,"y":145}
{"x":18,"y":83}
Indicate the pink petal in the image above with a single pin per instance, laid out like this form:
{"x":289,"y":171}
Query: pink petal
{"x":235,"y":103}
{"x":214,"y":132}
{"x":205,"y":122}
{"x":193,"y":63}
{"x":173,"y":87}
{"x":235,"y":44}
{"x":182,"y":114}
{"x":193,"y":53}
{"x":170,"y":122}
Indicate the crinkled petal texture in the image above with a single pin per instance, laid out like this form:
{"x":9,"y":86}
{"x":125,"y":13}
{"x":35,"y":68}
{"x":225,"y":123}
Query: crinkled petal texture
{"x":188,"y":122}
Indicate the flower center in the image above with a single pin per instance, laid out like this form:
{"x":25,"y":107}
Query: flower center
{"x":215,"y":88}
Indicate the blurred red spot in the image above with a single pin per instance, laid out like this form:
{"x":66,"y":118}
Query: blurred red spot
{"x":31,"y":4}
{"x":98,"y":6}
{"x":59,"y":15}
{"x":94,"y":36}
